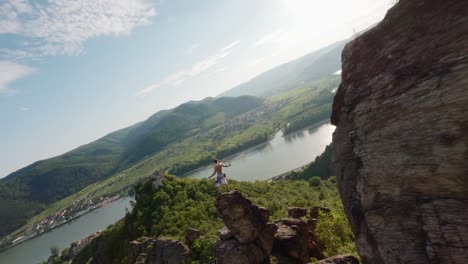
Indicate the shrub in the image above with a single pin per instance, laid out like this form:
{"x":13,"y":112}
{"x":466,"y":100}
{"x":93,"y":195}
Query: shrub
{"x":315,"y":181}
{"x":334,"y":231}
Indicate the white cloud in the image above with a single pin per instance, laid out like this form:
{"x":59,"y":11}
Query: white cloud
{"x":61,"y":27}
{"x":269,"y":38}
{"x":179,"y":77}
{"x":9,"y":72}
{"x":24,"y":109}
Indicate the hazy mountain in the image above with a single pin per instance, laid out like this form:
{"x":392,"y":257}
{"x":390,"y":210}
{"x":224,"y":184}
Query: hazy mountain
{"x":312,"y":66}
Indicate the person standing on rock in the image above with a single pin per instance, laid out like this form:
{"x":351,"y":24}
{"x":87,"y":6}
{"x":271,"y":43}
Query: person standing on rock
{"x":220,"y":176}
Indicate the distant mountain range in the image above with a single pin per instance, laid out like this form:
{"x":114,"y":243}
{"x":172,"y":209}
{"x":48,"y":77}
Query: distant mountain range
{"x":289,"y":75}
{"x":30,"y":190}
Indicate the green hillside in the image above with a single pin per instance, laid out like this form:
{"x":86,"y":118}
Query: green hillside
{"x":182,"y":203}
{"x":28,"y":191}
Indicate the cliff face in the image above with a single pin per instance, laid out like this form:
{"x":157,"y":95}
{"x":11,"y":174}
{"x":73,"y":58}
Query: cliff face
{"x":401,"y":145}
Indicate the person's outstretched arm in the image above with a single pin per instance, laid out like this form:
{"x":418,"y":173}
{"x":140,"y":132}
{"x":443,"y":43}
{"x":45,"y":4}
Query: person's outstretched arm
{"x":214,"y":172}
{"x":226,"y":165}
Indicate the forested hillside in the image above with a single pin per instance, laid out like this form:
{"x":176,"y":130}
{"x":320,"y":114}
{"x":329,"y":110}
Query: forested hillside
{"x":29,"y":190}
{"x":182,"y":203}
{"x":321,"y":167}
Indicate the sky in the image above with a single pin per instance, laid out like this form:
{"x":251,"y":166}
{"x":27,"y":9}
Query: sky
{"x":72,"y":71}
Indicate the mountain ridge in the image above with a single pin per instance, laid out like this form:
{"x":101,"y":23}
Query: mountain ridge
{"x":291,"y":74}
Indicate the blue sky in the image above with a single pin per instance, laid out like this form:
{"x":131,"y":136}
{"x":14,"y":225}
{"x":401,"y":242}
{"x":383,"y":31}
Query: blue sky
{"x":73,"y":71}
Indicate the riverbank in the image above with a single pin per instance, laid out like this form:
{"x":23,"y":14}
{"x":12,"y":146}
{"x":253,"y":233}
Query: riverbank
{"x":281,"y":154}
{"x":259,"y":146}
{"x":77,"y":209}
{"x":37,"y":249}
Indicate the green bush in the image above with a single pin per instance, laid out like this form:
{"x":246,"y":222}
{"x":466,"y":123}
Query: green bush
{"x":333,"y":229}
{"x":202,"y":249}
{"x":315,"y":181}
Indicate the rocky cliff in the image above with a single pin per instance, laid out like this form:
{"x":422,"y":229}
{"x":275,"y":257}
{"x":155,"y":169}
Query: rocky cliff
{"x":248,"y":238}
{"x":400,"y":147}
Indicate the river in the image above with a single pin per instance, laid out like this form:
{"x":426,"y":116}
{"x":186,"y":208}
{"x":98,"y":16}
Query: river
{"x":281,"y":154}
{"x":38,"y":249}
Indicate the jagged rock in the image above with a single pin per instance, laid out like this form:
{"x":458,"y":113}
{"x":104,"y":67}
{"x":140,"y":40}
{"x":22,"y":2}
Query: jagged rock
{"x":401,"y":140}
{"x":296,"y":212}
{"x":252,"y":236}
{"x":314,"y":211}
{"x":290,"y":241}
{"x":231,"y":251}
{"x":191,"y":235}
{"x":341,"y":259}
{"x":245,"y":220}
{"x":158,"y":251}
{"x":224,"y":233}
{"x":312,"y":224}
{"x":294,"y":239}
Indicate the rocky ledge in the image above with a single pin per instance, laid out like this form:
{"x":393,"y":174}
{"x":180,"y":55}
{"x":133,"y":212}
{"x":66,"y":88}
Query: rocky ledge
{"x":400,"y":147}
{"x":249,"y":238}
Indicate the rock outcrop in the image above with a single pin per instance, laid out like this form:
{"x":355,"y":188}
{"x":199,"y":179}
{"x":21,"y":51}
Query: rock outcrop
{"x":249,"y":238}
{"x":400,"y":148}
{"x":297,"y":241}
{"x":158,"y":251}
{"x":191,"y":234}
{"x":252,"y":235}
{"x":296,"y":212}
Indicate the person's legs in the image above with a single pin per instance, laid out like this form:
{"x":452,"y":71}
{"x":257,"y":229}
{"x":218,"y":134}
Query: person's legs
{"x":225,"y":182}
{"x":217,"y":186}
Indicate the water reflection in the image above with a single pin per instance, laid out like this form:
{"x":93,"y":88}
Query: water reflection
{"x":38,"y":248}
{"x":277,"y":156}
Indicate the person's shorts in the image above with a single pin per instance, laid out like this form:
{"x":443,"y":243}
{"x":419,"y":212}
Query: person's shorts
{"x":221,"y":179}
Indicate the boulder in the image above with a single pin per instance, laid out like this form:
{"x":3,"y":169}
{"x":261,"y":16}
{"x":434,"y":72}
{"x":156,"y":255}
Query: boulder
{"x":294,"y":239}
{"x":296,"y":212}
{"x":401,"y":140}
{"x":231,"y":251}
{"x":245,"y":220}
{"x":224,"y":233}
{"x":247,"y":237}
{"x":158,"y":251}
{"x":290,"y":242}
{"x":191,"y":235}
{"x":341,"y":259}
